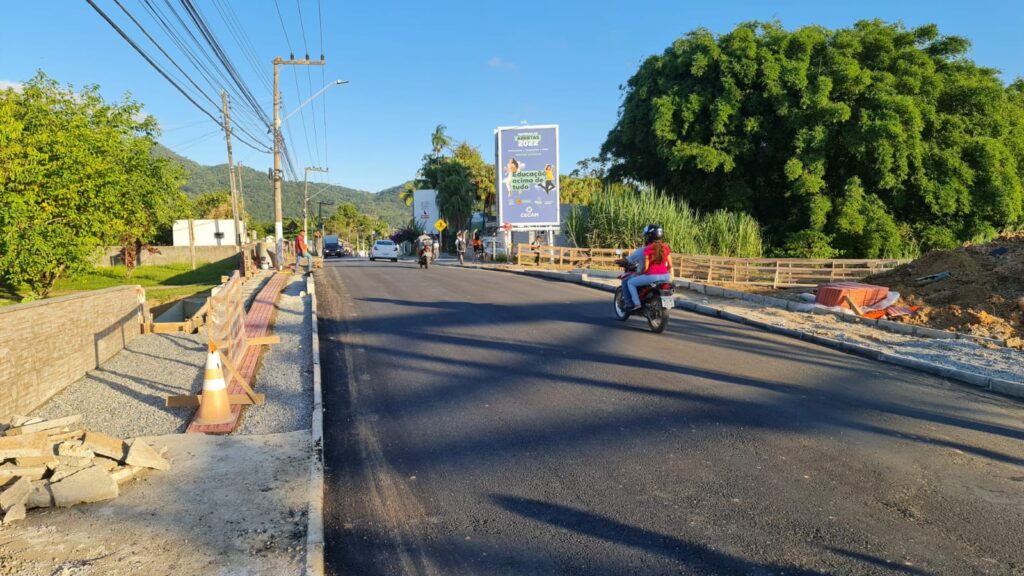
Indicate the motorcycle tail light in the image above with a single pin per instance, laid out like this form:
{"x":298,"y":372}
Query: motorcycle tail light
{"x":666,"y":287}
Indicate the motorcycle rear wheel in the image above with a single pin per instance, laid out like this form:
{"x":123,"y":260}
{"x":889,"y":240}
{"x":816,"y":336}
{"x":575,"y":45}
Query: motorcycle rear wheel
{"x":657,"y":318}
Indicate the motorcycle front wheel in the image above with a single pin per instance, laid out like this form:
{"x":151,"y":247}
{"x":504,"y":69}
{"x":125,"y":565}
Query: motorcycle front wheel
{"x":657,"y":318}
{"x":620,"y":308}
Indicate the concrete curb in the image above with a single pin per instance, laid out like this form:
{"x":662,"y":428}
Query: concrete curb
{"x":315,"y":515}
{"x":998,"y":385}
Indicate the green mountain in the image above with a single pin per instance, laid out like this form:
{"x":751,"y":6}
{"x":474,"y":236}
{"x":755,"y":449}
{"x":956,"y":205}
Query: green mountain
{"x":258,"y":192}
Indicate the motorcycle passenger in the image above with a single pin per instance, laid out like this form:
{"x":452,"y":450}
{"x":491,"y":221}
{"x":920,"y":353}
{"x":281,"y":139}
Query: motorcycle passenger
{"x":657,"y":263}
{"x":425,"y":245}
{"x":636,"y":260}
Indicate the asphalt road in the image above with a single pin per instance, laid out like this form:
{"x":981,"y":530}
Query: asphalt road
{"x":481,"y":422}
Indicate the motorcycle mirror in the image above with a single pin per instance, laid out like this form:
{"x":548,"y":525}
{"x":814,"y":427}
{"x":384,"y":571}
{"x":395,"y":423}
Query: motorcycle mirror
{"x":618,"y":251}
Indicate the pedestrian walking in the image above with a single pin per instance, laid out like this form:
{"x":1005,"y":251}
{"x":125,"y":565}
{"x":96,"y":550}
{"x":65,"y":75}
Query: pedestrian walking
{"x":301,"y":249}
{"x":460,"y":248}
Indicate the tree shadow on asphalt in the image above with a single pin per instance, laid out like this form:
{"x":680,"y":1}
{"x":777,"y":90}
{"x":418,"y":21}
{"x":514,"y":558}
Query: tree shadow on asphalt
{"x":690,"y":555}
{"x":848,"y":394}
{"x":476,"y":366}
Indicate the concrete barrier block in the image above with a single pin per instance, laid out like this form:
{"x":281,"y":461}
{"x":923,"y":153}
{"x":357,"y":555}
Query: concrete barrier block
{"x":686,"y":305}
{"x":1007,"y":387}
{"x":896,"y":327}
{"x":734,"y":294}
{"x":968,"y":377}
{"x":717,"y":291}
{"x":732,"y":317}
{"x":774,"y":302}
{"x":755,"y":298}
{"x":860,"y":350}
{"x":706,"y":310}
{"x":927,"y":332}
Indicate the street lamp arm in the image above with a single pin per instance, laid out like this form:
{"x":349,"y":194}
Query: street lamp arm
{"x":311,"y":98}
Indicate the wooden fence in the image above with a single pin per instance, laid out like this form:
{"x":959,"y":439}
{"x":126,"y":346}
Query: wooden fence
{"x":770,"y":272}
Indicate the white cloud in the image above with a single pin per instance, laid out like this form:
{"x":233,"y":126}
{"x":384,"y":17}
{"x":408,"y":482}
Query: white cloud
{"x":500,"y":64}
{"x":5,"y":84}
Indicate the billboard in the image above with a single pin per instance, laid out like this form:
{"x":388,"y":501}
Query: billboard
{"x":424,"y":208}
{"x":527,"y":176}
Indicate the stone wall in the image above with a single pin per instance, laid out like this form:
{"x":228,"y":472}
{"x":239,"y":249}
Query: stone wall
{"x":168,"y":255}
{"x":49,"y":344}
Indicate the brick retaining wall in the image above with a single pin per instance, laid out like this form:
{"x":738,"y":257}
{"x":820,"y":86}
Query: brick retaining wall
{"x":46,"y":345}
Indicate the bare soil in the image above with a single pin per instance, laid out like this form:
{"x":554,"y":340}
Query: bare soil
{"x":229,"y":505}
{"x":982,"y":295}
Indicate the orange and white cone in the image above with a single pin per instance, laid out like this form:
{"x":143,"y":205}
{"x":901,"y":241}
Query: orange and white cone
{"x":214,"y":404}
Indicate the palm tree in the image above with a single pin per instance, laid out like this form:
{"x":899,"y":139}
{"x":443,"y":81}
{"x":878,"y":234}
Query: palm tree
{"x":406,"y":193}
{"x":439,"y":140}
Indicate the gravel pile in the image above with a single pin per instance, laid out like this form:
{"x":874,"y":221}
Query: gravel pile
{"x":286,"y":371}
{"x":125,"y":396}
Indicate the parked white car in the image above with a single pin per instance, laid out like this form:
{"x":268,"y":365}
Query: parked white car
{"x":384,"y":250}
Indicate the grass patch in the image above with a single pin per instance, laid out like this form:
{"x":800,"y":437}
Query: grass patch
{"x":162,"y":283}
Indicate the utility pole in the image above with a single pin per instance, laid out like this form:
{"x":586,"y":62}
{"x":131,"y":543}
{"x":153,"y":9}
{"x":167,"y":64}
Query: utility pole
{"x":241,"y":194}
{"x":305,"y":195}
{"x":278,"y":211}
{"x":320,"y":213}
{"x":231,"y":168}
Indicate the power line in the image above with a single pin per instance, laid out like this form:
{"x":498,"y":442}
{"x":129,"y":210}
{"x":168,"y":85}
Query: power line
{"x":164,"y":52}
{"x":160,"y":69}
{"x":243,"y":121}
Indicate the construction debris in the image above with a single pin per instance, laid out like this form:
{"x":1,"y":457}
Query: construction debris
{"x":979,"y":297}
{"x":45,"y":463}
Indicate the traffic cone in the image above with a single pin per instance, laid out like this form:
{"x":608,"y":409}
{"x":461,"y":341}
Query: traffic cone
{"x":214,"y":403}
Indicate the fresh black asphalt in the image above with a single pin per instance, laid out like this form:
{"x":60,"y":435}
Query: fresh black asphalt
{"x":481,"y":422}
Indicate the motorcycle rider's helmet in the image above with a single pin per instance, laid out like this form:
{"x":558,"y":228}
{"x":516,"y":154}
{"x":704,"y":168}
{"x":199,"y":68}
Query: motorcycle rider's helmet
{"x":653,"y":232}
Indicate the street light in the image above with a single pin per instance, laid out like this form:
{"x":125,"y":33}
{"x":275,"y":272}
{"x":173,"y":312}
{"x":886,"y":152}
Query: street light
{"x":327,"y":87}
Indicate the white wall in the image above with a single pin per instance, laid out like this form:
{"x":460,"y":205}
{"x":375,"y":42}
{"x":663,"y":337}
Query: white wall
{"x":207,"y":232}
{"x":424,"y":209}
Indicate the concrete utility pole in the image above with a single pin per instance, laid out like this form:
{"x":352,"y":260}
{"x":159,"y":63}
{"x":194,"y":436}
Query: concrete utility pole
{"x":231,"y":168}
{"x":278,"y":211}
{"x":305,"y":196}
{"x":241,"y":195}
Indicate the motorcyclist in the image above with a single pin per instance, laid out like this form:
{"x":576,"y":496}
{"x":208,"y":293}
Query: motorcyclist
{"x":637,"y":260}
{"x":657,"y":264}
{"x":425,"y":245}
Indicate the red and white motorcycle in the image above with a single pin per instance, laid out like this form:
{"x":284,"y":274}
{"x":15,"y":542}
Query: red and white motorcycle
{"x":656,"y":299}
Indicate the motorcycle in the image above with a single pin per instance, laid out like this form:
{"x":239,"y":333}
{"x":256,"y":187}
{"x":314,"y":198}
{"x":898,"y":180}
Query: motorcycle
{"x":425,"y":257}
{"x":656,"y":300}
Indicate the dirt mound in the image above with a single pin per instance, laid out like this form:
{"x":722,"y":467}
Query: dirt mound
{"x":981,"y":295}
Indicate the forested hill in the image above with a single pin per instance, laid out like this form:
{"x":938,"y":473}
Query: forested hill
{"x":259,"y":193}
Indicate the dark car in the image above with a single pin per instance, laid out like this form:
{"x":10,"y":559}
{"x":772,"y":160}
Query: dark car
{"x":332,"y":250}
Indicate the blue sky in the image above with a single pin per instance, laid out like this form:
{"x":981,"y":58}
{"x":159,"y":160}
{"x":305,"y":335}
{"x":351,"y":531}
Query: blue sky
{"x":472,"y":66}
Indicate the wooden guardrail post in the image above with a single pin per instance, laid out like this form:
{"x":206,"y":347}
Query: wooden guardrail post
{"x":775,"y":283}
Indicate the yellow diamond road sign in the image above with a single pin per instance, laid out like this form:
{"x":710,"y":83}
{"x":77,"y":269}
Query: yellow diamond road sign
{"x":440,"y":225}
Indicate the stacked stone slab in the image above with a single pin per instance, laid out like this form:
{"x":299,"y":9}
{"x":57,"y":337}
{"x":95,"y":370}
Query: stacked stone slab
{"x":54,"y":463}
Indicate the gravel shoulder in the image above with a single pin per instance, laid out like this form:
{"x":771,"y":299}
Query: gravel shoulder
{"x":229,"y":505}
{"x":964,"y":355}
{"x":125,"y":397}
{"x":286,"y":373}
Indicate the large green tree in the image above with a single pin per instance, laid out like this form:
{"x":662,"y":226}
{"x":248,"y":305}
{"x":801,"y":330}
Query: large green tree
{"x":869,"y":141}
{"x":76,"y":173}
